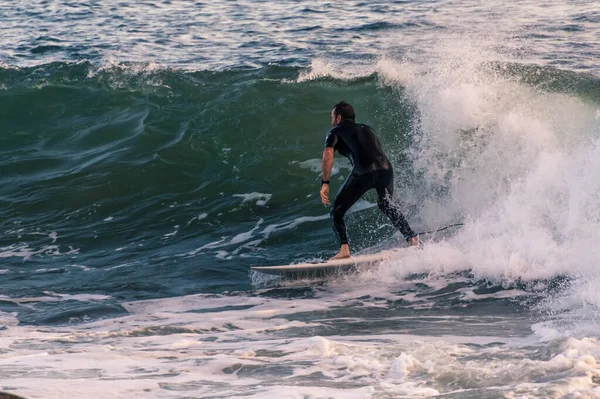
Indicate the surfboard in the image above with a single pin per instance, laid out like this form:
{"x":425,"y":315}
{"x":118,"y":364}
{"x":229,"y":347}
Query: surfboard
{"x":319,"y":269}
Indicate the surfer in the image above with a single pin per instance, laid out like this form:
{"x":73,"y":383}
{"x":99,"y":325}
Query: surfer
{"x":370,"y":169}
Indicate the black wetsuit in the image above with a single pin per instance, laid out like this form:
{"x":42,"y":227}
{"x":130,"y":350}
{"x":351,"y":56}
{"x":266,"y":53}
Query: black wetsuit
{"x":371,"y":169}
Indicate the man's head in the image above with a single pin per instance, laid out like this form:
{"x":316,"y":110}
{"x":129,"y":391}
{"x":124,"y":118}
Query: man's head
{"x":341,"y":111}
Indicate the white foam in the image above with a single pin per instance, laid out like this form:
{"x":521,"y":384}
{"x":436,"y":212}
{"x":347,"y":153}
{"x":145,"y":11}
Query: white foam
{"x":314,"y":165}
{"x":8,"y":319}
{"x":173,"y":233}
{"x":322,"y":68}
{"x":56,"y":297}
{"x":122,"y":265}
{"x":205,"y":345}
{"x":517,"y":164}
{"x":54,"y":236}
{"x":292,"y":224}
{"x":198,"y":218}
{"x":516,"y":161}
{"x":23,"y":250}
{"x":261,"y":199}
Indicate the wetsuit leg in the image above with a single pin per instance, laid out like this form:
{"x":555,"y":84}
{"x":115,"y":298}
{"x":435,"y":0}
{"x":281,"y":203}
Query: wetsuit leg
{"x":353,"y":188}
{"x":385,"y":192}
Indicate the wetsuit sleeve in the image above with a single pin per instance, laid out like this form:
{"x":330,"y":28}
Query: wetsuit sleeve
{"x":331,"y":140}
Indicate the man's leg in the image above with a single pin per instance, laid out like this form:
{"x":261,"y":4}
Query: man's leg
{"x":353,"y":188}
{"x":385,"y":192}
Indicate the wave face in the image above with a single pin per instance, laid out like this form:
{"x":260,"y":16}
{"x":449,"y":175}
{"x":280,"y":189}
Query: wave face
{"x":132,"y":174}
{"x":130,"y":170}
{"x":140,"y":179}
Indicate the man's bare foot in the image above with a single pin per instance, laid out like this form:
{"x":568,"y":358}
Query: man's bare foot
{"x":413,"y":241}
{"x":344,"y":252}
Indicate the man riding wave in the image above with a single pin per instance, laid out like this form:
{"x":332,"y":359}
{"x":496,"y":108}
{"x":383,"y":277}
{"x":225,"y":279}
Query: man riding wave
{"x":370,"y":169}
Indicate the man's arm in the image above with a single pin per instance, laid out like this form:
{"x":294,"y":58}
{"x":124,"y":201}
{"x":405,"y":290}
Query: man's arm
{"x":326,"y":167}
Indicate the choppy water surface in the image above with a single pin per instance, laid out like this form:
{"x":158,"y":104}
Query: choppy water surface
{"x":151,"y":152}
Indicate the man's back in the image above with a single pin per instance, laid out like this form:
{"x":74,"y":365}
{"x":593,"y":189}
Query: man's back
{"x":359,"y":143}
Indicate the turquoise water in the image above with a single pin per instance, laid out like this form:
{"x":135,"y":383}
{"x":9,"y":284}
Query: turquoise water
{"x":151,"y":152}
{"x":162,"y":171}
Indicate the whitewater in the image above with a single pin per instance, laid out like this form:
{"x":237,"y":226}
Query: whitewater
{"x":151,"y":153}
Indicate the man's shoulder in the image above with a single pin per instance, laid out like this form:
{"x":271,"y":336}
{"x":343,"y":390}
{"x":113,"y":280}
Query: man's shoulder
{"x":349,"y":128}
{"x":344,"y":127}
{"x":334,"y":130}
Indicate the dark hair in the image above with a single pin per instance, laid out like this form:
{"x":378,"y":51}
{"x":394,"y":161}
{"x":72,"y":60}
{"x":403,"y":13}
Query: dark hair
{"x":344,"y":109}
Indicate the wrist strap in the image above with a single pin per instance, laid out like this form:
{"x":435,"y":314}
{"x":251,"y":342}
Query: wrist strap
{"x":324,"y":181}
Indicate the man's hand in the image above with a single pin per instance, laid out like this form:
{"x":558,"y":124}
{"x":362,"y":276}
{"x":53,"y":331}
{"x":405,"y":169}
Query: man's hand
{"x":325,"y":194}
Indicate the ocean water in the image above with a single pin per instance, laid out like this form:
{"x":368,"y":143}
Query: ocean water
{"x":152,"y":151}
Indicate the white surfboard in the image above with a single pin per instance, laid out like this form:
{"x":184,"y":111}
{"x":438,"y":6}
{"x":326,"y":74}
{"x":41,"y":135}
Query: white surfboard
{"x":328,"y":267}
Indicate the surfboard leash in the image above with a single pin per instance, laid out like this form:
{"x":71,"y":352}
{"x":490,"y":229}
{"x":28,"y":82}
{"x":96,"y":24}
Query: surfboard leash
{"x":441,"y":229}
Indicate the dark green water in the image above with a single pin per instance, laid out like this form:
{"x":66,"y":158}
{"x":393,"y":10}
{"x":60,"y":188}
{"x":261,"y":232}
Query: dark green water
{"x":150,"y":153}
{"x":149,"y":170}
